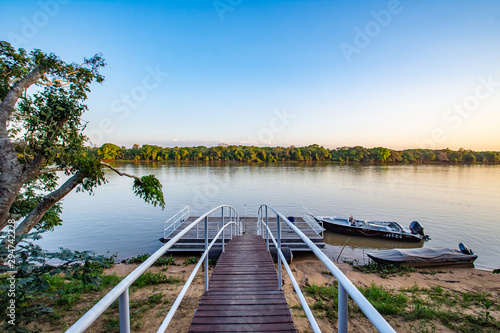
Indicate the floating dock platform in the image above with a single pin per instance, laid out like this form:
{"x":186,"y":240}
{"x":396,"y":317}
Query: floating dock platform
{"x":194,"y":240}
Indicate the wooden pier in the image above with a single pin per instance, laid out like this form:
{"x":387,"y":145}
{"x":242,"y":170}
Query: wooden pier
{"x":243,"y":293}
{"x":194,"y":240}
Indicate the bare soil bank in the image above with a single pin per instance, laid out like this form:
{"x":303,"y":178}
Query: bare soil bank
{"x":147,"y":316}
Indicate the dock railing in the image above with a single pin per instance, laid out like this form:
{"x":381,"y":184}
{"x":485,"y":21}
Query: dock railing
{"x":175,"y":221}
{"x":345,"y":286}
{"x":121,"y":291}
{"x":309,"y":218}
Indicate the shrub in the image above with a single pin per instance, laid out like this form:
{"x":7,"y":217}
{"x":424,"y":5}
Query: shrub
{"x":150,"y":279}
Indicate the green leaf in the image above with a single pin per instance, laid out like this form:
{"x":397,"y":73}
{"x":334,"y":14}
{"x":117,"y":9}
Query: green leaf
{"x":149,"y":188}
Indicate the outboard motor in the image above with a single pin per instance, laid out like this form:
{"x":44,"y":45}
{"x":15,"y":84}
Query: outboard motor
{"x":416,"y":228}
{"x":465,"y":249}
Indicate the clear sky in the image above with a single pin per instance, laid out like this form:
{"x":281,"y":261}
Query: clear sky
{"x":398,"y":74}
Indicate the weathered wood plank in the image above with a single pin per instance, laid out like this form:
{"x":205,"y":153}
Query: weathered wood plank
{"x":243,"y":293}
{"x":259,"y":327}
{"x":257,"y":311}
{"x":237,"y":320}
{"x":237,"y":301}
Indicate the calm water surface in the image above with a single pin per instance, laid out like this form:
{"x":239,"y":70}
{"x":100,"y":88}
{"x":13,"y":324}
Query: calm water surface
{"x":454,"y":203}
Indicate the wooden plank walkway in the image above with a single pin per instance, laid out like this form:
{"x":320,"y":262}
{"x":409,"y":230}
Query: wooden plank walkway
{"x":243,"y":294}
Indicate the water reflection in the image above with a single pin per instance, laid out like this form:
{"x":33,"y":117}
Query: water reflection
{"x":454,"y":203}
{"x":357,"y":242}
{"x":343,"y":247}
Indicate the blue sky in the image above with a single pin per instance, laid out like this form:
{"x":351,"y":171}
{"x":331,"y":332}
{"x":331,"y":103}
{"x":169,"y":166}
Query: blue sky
{"x":399,"y":74}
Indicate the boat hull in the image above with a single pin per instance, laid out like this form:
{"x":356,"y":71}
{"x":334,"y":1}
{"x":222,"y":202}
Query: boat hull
{"x":359,"y":231}
{"x":423,"y":257}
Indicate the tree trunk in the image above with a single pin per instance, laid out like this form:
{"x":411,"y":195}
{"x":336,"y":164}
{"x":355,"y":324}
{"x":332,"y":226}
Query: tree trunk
{"x":11,"y":171}
{"x":10,"y":176}
{"x":38,"y":212}
{"x":48,"y":201}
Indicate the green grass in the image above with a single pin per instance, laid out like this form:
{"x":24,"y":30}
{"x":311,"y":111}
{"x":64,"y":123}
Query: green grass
{"x":385,"y":301}
{"x":151,"y":279}
{"x":157,"y":299}
{"x":162,"y":261}
{"x":67,"y":292}
{"x":417,"y":305}
{"x":190,"y":260}
{"x":423,"y":327}
{"x":383,"y":270}
{"x":112,"y":325}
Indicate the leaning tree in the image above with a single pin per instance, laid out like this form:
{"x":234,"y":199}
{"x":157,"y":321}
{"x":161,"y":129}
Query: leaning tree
{"x":42,"y":100}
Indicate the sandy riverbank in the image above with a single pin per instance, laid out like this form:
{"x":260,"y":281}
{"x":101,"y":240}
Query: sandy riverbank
{"x":308,"y":270}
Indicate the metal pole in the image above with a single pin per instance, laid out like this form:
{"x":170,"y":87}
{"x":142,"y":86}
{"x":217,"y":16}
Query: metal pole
{"x":206,"y":258}
{"x":262,"y":221}
{"x":124,"y":312}
{"x":231,"y":225}
{"x":261,"y":225}
{"x":267,"y":230}
{"x":343,"y":323}
{"x":277,"y":254}
{"x":222,"y":226}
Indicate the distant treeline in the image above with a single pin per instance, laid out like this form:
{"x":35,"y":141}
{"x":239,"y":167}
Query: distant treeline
{"x":310,"y":153}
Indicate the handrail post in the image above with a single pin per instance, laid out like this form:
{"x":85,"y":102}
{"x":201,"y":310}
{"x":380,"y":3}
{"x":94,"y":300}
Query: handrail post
{"x":222,"y":226}
{"x":343,"y":308}
{"x":123,"y":303}
{"x":231,"y":225}
{"x":277,"y":251}
{"x":206,"y":258}
{"x":261,"y":226}
{"x":267,"y":231}
{"x":259,"y":221}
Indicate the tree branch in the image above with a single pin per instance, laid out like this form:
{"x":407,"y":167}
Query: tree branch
{"x":9,"y":102}
{"x":119,"y":172}
{"x":14,"y":216}
{"x":48,"y":201}
{"x":30,"y":170}
{"x":48,"y":170}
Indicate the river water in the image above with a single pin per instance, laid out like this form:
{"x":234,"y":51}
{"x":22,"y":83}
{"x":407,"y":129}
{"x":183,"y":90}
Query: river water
{"x":454,"y":203}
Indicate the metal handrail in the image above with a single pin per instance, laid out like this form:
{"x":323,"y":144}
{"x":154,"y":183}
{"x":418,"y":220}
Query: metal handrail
{"x":121,"y":290}
{"x":181,"y":216}
{"x":296,"y":286}
{"x":345,"y":286}
{"x":315,"y":225}
{"x":308,"y":217}
{"x":180,"y":297}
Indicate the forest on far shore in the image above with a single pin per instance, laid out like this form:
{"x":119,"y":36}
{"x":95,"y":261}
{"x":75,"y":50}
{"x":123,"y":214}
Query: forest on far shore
{"x":223,"y":152}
